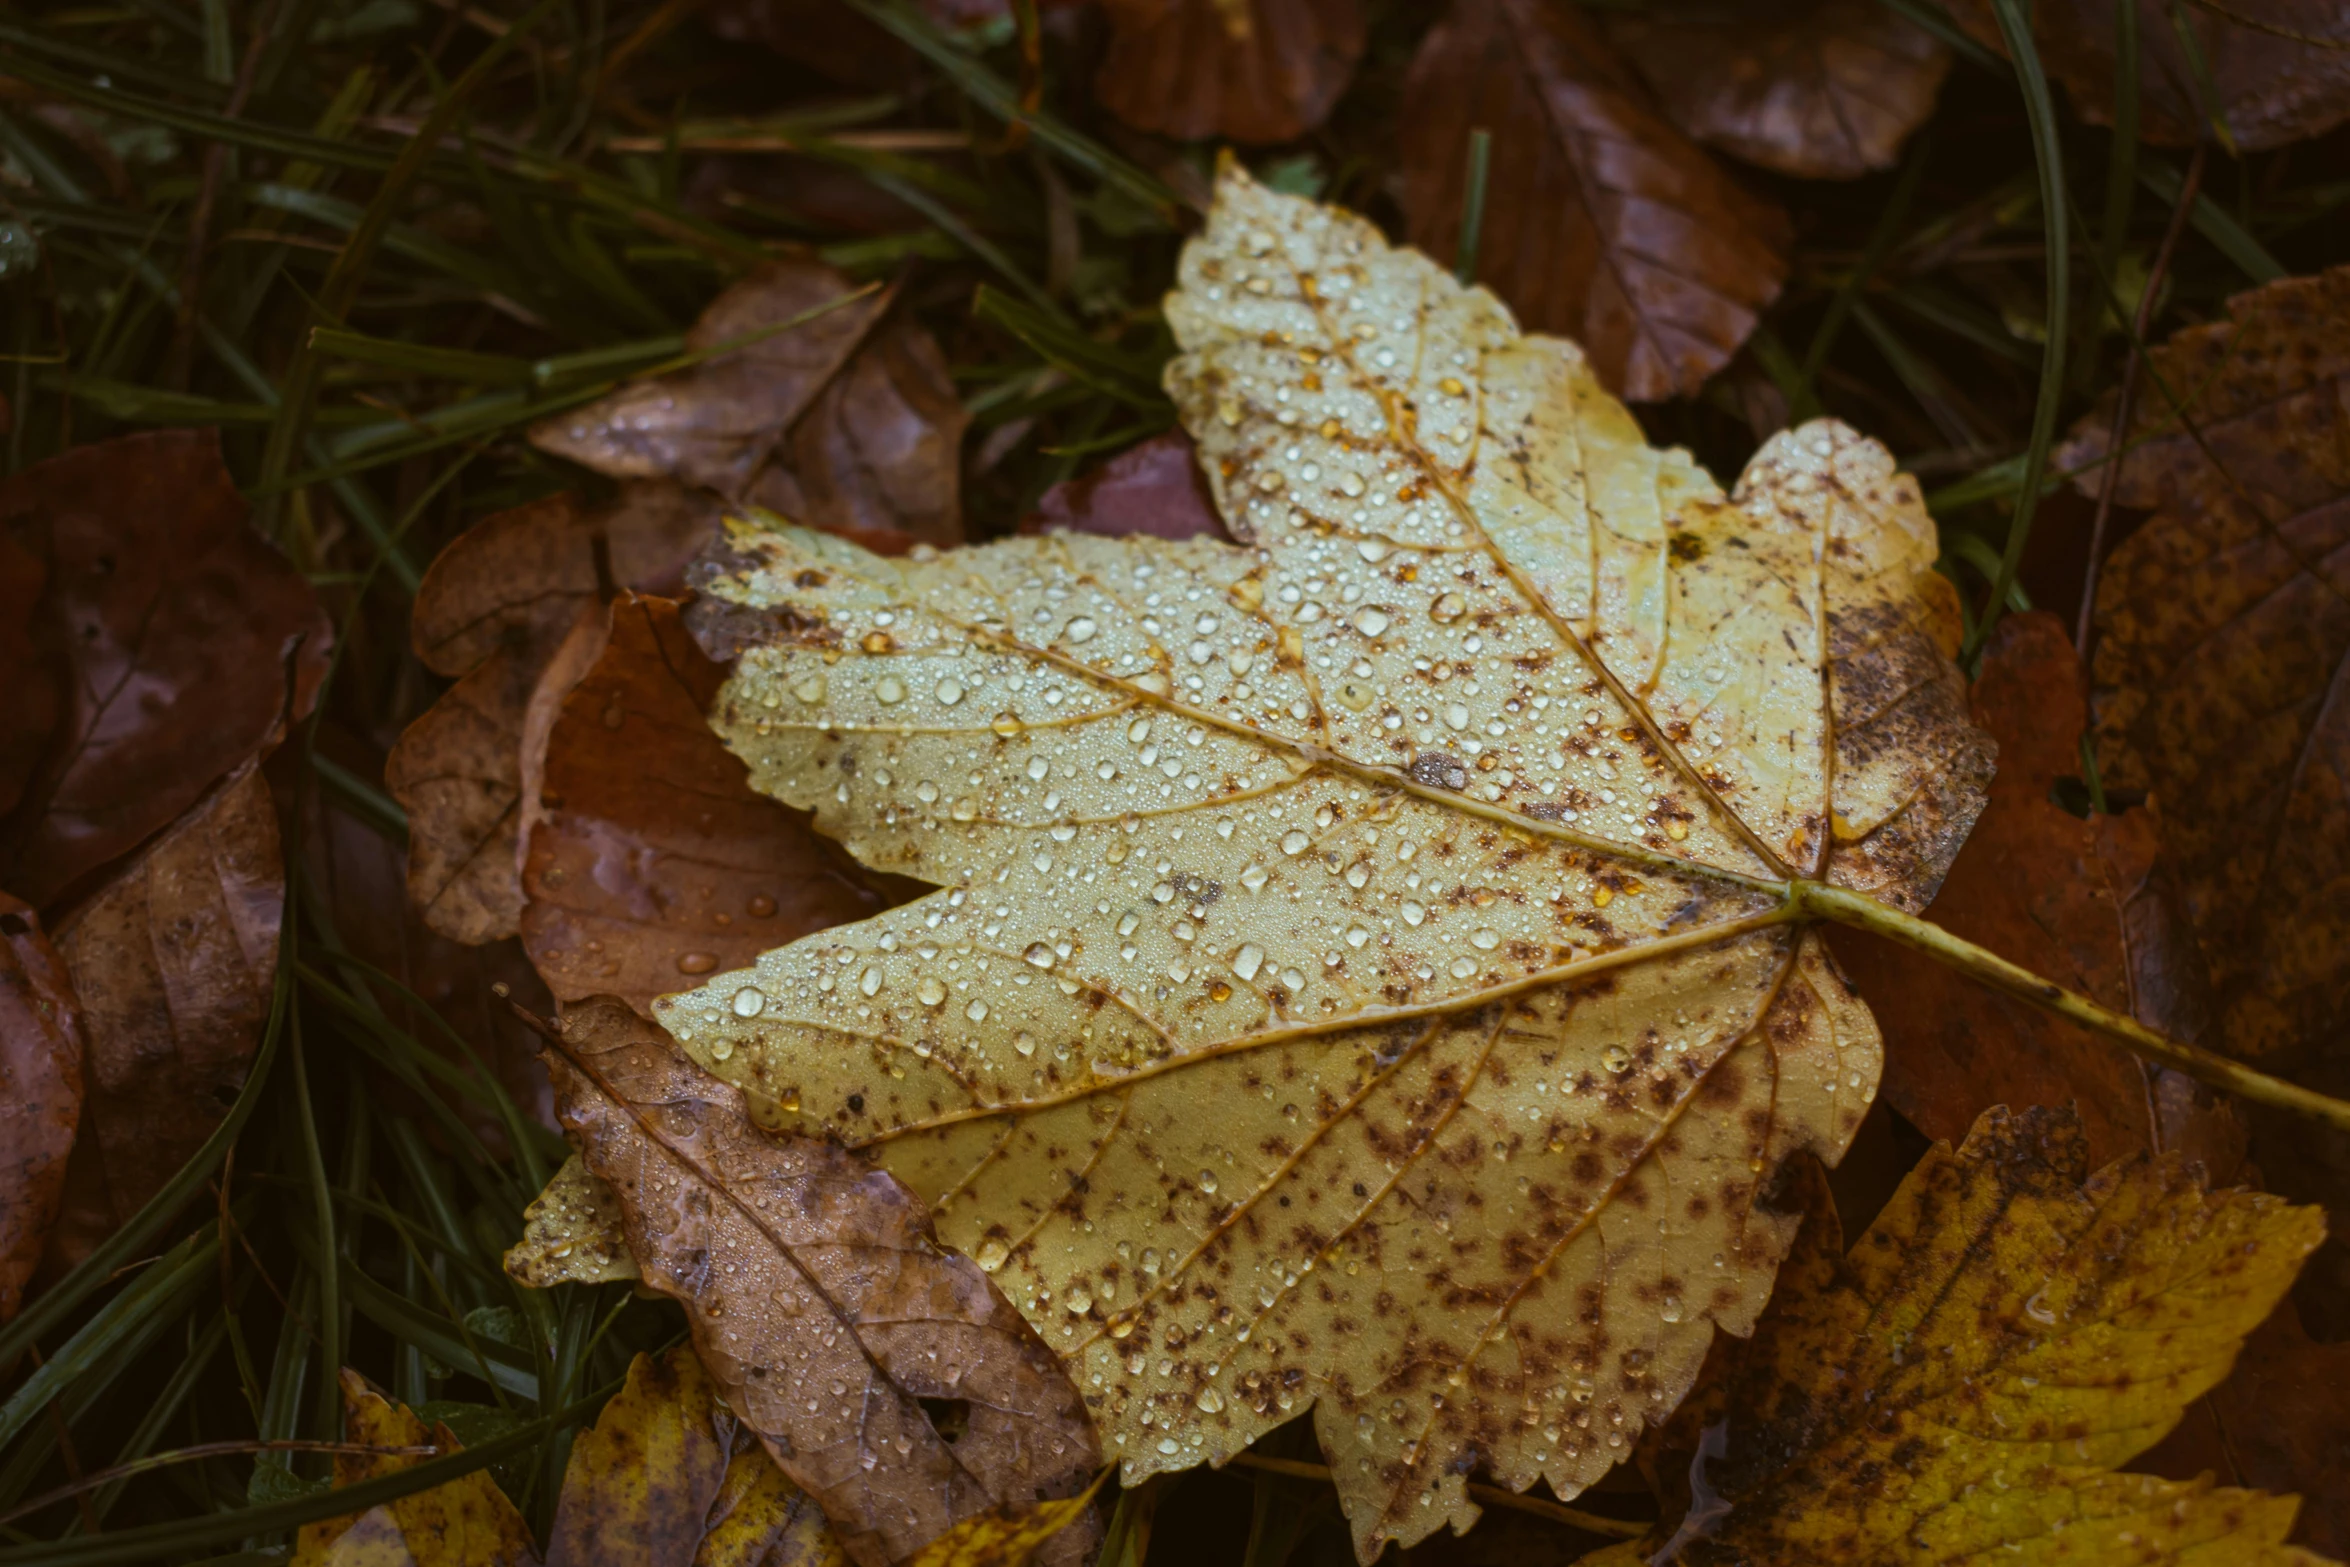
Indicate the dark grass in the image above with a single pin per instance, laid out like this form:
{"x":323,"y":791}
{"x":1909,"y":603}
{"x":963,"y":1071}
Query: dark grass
{"x":376,"y":314}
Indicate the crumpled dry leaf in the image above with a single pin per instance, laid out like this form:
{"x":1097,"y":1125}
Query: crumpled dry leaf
{"x":819,"y":1301}
{"x":2223,"y":638}
{"x":185,"y":638}
{"x":841,"y":422}
{"x":40,"y":1093}
{"x":1947,"y":1390}
{"x":668,"y":1479}
{"x":492,"y":610}
{"x":1602,"y":220}
{"x":1821,"y":89}
{"x":466,"y":1522}
{"x":648,"y":860}
{"x":1346,"y":988}
{"x":2280,"y":68}
{"x":175,"y":962}
{"x":2083,"y":902}
{"x":1155,"y":489}
{"x":1239,"y":70}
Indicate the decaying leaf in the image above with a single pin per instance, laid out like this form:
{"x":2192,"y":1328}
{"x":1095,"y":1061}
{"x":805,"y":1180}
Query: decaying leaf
{"x":1239,"y":70}
{"x":466,"y":1522}
{"x":185,"y":641}
{"x":1602,"y":220}
{"x":1358,"y":979}
{"x":175,"y":962}
{"x":572,"y":1233}
{"x":1155,"y":489}
{"x":1948,"y":1391}
{"x":1007,"y":1536}
{"x":820,"y":1302}
{"x":40,"y":1093}
{"x":2083,"y":902}
{"x":648,"y":860}
{"x":1821,"y":89}
{"x":667,"y":1478}
{"x":2278,"y":69}
{"x":839,"y":422}
{"x":491,"y":611}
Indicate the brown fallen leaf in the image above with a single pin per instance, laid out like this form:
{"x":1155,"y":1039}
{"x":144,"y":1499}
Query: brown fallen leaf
{"x":1821,"y":89}
{"x":1155,"y":489}
{"x":491,"y":611}
{"x":175,"y":962}
{"x":40,"y":1093}
{"x":648,"y":860}
{"x":668,"y":1478}
{"x":2279,"y":69}
{"x":844,"y":421}
{"x":30,"y":671}
{"x":2082,"y":902}
{"x":188,"y":639}
{"x":1602,"y":220}
{"x":465,"y":1522}
{"x":1239,"y":70}
{"x":820,"y":1302}
{"x":1947,"y":1390}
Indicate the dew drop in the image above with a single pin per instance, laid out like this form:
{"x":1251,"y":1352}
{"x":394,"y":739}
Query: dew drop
{"x":992,"y":1254}
{"x":1447,"y":608}
{"x":889,"y":690}
{"x":1039,"y":955}
{"x":1413,"y":913}
{"x":1485,"y":939}
{"x":949,"y":692}
{"x":810,"y":690}
{"x":976,"y":1011}
{"x":1294,"y":842}
{"x":749,"y":1001}
{"x":931,"y":991}
{"x":1081,"y":629}
{"x":870,"y":981}
{"x":1209,"y":1401}
{"x":695,"y":963}
{"x":1371,"y":621}
{"x":1247,"y":961}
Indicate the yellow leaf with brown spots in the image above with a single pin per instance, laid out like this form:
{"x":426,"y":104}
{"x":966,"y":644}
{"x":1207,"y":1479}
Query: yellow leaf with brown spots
{"x":1362,"y":977}
{"x":465,"y":1522}
{"x":1961,"y":1386}
{"x":1005,"y":1536}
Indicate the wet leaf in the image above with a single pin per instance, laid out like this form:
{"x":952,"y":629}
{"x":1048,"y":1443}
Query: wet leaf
{"x":1602,"y":220}
{"x":648,"y":860}
{"x":40,"y":1093}
{"x":174,"y":961}
{"x":185,"y":642}
{"x":1947,"y":1391}
{"x":1007,"y":1536}
{"x":840,"y":422}
{"x":816,"y":1295}
{"x":1239,"y":70}
{"x":2083,"y":902}
{"x":2280,"y":68}
{"x":492,"y":611}
{"x":1154,"y":489}
{"x":1826,"y":89}
{"x":1354,"y":982}
{"x":466,"y":1522}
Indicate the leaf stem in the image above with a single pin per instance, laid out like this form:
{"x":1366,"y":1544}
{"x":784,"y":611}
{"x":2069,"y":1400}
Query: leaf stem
{"x":1846,"y":907}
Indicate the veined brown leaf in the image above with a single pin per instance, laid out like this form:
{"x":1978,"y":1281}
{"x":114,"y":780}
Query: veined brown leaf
{"x":1962,"y":1384}
{"x":40,"y":1092}
{"x":1245,"y":70}
{"x":1359,"y":979}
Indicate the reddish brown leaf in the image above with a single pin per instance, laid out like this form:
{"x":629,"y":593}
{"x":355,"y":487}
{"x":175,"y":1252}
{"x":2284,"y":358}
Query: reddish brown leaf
{"x":2079,"y":901}
{"x":186,"y":634}
{"x":648,"y":858}
{"x":174,"y":962}
{"x":820,"y":1302}
{"x":1602,"y":221}
{"x":1241,"y":70}
{"x":2280,"y":68}
{"x":1824,"y":90}
{"x":40,"y":1093}
{"x":28,"y":671}
{"x":1155,"y":489}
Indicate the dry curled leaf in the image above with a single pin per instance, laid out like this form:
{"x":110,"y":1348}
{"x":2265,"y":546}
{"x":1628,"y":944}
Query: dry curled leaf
{"x":2273,"y":71}
{"x":820,"y":1302}
{"x":40,"y":1093}
{"x":1240,"y":70}
{"x":1155,"y":488}
{"x":492,"y":611}
{"x":1602,"y":220}
{"x":1948,"y":1390}
{"x":183,"y":638}
{"x":2083,"y":902}
{"x":465,"y":1522}
{"x":667,"y":1478}
{"x":1820,"y":89}
{"x":1358,"y":979}
{"x":175,"y":962}
{"x":648,"y":860}
{"x":841,"y":421}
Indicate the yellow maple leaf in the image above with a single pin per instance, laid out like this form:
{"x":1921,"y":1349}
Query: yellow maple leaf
{"x":1961,"y":1386}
